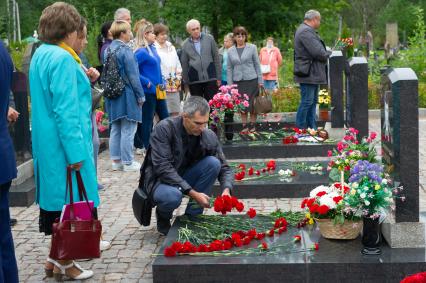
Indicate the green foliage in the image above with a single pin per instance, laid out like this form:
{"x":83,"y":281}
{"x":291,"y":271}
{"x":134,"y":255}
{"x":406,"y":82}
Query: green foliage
{"x":414,"y":56}
{"x":17,"y":52}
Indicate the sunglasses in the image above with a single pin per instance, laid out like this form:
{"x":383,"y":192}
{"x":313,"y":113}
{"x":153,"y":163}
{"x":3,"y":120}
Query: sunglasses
{"x":240,"y":34}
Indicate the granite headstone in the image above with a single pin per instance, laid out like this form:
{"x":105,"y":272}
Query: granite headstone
{"x":336,"y":67}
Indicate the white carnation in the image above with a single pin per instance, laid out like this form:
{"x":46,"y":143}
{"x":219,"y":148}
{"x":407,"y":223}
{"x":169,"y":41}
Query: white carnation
{"x":328,"y":201}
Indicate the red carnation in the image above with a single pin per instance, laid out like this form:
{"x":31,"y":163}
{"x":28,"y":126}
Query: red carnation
{"x":242,"y":166}
{"x":202,"y":248}
{"x":320,"y":194}
{"x":169,"y":252}
{"x":271,"y":164}
{"x":315,"y":246}
{"x":177,"y":246}
{"x":251,"y":212}
{"x":239,"y":206}
{"x":234,"y":201}
{"x":310,"y":202}
{"x":246,"y":241}
{"x":297,"y":238}
{"x":313,"y":208}
{"x":227,"y":244}
{"x":264,"y":246}
{"x":337,"y":199}
{"x":260,"y":236}
{"x":271,"y":233}
{"x":304,"y":201}
{"x":282,"y":229}
{"x":257,"y":172}
{"x":323,"y":209}
{"x":251,"y":171}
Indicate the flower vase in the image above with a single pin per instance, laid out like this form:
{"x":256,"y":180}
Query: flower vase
{"x":228,"y":121}
{"x":323,"y":114}
{"x":371,"y":236}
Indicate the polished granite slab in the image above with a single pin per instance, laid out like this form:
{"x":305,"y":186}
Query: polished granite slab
{"x":335,"y":261}
{"x":274,"y":149}
{"x":275,"y":186}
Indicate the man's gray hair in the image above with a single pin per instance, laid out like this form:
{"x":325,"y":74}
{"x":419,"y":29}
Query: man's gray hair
{"x":312,"y":14}
{"x":191,"y":23}
{"x":194,"y":104}
{"x":120,"y":12}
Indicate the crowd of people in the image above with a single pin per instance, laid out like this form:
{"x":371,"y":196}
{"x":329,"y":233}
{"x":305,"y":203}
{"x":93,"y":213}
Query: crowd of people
{"x":182,"y":156}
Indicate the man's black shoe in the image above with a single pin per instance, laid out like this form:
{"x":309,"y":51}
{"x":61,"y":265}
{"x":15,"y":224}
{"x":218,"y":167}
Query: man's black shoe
{"x":163,"y":224}
{"x":13,"y":221}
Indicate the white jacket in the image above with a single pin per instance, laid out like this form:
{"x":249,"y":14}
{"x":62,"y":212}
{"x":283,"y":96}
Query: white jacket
{"x":170,"y":63}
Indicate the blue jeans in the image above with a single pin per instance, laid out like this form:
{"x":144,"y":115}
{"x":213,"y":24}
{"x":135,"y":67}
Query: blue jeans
{"x":8,"y":267}
{"x":151,"y":106}
{"x":121,"y":140}
{"x":270,"y":85}
{"x":305,"y":117}
{"x":200,"y":177}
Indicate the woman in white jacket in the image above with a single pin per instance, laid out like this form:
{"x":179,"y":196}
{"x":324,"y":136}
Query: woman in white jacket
{"x":170,"y":68}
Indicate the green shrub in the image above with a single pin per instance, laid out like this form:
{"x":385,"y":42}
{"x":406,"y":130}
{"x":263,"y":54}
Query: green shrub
{"x":286,"y":99}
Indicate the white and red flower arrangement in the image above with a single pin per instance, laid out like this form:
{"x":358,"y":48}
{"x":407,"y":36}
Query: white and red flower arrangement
{"x":327,"y":202}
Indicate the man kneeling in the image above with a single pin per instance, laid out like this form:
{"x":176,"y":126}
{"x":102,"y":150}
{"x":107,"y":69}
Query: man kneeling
{"x":184,"y":158}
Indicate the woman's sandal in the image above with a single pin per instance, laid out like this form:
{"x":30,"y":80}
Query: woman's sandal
{"x":48,"y":271}
{"x":252,"y":128}
{"x":85,"y":274}
{"x":245,"y":130}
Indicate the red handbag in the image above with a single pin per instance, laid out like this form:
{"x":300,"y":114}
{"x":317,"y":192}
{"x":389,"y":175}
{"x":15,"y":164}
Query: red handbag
{"x":73,"y":238}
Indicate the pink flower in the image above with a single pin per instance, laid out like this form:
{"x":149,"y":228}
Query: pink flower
{"x":330,"y":153}
{"x":373,"y":135}
{"x":99,"y":115}
{"x":246,"y":104}
{"x":223,"y":89}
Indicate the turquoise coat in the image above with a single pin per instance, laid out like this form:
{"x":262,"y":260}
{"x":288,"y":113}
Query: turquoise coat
{"x":61,"y":123}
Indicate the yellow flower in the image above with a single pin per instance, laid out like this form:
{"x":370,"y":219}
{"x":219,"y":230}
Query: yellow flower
{"x":353,"y":192}
{"x":320,"y":100}
{"x":311,"y":221}
{"x":377,"y":187}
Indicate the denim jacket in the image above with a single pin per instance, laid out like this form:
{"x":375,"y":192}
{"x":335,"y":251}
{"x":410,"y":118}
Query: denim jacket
{"x":128,"y":104}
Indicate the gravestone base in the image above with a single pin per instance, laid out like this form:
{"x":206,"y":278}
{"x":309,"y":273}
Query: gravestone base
{"x":22,"y":194}
{"x":404,"y":234}
{"x":22,"y":190}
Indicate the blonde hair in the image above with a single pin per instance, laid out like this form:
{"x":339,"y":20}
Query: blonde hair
{"x":140,"y":40}
{"x":118,"y":27}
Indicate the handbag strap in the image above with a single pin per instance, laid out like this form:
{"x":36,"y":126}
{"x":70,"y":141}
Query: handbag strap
{"x":69,"y":190}
{"x":82,"y":192}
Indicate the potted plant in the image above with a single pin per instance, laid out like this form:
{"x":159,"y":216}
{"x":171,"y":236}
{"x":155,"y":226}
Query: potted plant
{"x":369,"y":196}
{"x":326,"y":207}
{"x":324,"y":101}
{"x":224,"y":104}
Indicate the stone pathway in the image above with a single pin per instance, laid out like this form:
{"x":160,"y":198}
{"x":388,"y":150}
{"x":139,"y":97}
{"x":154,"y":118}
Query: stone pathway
{"x":129,"y":259}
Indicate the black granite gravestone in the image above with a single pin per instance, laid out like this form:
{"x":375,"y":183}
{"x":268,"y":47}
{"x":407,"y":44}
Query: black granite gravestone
{"x":357,"y":96}
{"x":400,"y":137}
{"x":20,"y":130}
{"x":336,"y":67}
{"x":335,"y":261}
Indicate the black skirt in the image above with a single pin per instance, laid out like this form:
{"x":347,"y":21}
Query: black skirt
{"x":47,"y":218}
{"x":251,"y":88}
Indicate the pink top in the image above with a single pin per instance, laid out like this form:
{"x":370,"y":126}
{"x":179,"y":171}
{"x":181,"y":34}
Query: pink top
{"x":275,"y":61}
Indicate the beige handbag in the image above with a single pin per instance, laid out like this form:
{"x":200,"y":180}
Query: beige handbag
{"x":263,"y":102}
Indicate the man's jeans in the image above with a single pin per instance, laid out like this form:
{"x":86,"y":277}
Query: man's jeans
{"x":121,"y":140}
{"x":8,"y":267}
{"x":305,"y":117}
{"x":200,"y":177}
{"x":151,"y":106}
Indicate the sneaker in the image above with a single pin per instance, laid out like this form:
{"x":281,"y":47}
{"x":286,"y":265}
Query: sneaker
{"x":117,"y":166}
{"x":163,"y":224}
{"x":135,"y":166}
{"x":104,"y":245}
{"x":140,"y":151}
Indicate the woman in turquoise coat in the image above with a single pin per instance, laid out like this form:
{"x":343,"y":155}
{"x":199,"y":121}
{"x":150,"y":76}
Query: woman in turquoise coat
{"x":61,"y":122}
